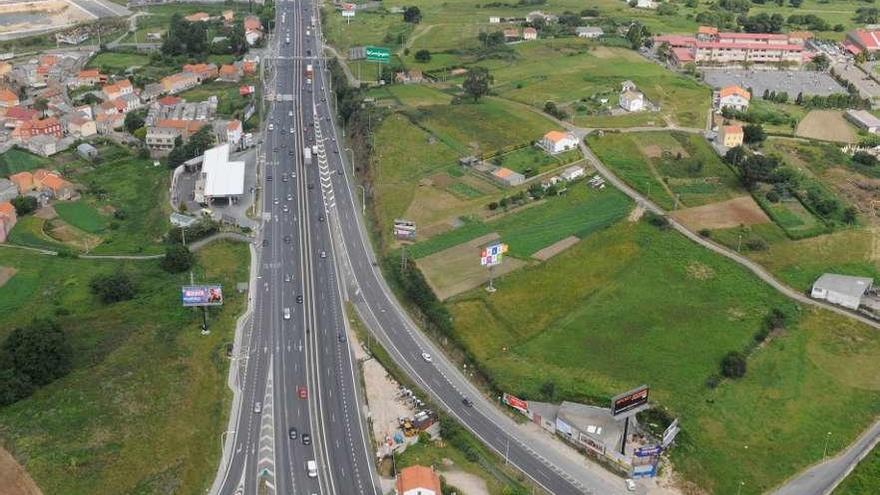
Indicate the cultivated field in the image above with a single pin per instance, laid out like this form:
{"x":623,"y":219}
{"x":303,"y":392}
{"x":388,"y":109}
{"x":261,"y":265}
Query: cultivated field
{"x":143,"y":408}
{"x":632,"y":305}
{"x":723,"y":215}
{"x":16,"y":160}
{"x":672,"y":169}
{"x":827,"y":125}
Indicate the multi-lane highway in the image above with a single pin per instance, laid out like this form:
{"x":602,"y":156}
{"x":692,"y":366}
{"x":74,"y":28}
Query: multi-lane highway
{"x":297,"y":400}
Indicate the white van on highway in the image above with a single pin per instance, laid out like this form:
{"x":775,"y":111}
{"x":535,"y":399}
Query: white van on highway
{"x":312,"y":468}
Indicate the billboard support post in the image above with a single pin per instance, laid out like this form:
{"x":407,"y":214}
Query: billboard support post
{"x":489,"y":257}
{"x":491,"y":288}
{"x":625,"y":432}
{"x":205,"y":330}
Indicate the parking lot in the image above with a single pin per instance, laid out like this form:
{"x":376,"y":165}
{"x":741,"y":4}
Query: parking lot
{"x":792,"y":82}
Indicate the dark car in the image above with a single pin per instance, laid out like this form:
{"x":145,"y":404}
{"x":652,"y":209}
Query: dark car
{"x":299,"y":299}
{"x":320,"y":218}
{"x":307,"y":439}
{"x":265,"y":242}
{"x":467,"y":402}
{"x":287,"y":239}
{"x":290,"y":152}
{"x":292,"y":433}
{"x":342,"y":337}
{"x":269,"y":178}
{"x":311,"y":186}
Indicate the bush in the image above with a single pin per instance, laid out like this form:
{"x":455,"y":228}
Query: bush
{"x":656,"y":220}
{"x":756,"y":244}
{"x":178,"y":258}
{"x":24,"y":204}
{"x":733,"y":365}
{"x":423,"y":56}
{"x":713,"y":381}
{"x":705,"y":233}
{"x":772,"y":196}
{"x":113,"y":287}
{"x":38,"y":354}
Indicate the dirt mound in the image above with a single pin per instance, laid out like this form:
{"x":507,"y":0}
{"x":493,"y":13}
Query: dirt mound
{"x":723,"y":215}
{"x":14,"y":480}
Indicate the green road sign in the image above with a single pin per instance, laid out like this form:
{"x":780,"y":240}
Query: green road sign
{"x":378,"y":54}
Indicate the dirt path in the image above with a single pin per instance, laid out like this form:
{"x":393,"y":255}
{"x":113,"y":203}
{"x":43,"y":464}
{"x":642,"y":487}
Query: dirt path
{"x":467,"y":483}
{"x":415,"y":36}
{"x":14,"y":480}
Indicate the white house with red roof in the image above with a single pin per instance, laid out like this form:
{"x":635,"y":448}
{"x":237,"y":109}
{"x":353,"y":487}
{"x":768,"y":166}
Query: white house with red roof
{"x":733,"y":97}
{"x":556,"y":142}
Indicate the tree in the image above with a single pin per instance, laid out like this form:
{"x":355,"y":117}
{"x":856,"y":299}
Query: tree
{"x":39,"y":351}
{"x":733,"y":365}
{"x":178,"y":258}
{"x":24,"y":204}
{"x":849,"y":215}
{"x":821,"y":62}
{"x":864,"y":158}
{"x":548,"y":390}
{"x":133,"y":121}
{"x":113,"y":287}
{"x":412,"y":15}
{"x":423,"y":56}
{"x":754,"y":134}
{"x":477,"y":82}
{"x":41,"y":104}
{"x":795,"y":3}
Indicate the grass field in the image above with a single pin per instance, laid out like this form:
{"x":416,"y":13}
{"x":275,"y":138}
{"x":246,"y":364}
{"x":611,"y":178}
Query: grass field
{"x":863,"y":480}
{"x":116,"y":62}
{"x":536,"y":160}
{"x":631,"y":305}
{"x":229,"y":103}
{"x":28,"y":231}
{"x":827,"y":125}
{"x":568,"y":70}
{"x":82,"y":216}
{"x":580,"y":212}
{"x":145,"y":404}
{"x":649,"y":162}
{"x":16,"y":160}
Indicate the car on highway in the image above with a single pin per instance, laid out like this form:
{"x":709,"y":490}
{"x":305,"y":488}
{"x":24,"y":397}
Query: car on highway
{"x":427,"y":357}
{"x":311,"y":186}
{"x":285,"y":209}
{"x":323,"y":254}
{"x":341,"y":337}
{"x":467,"y":402}
{"x":271,"y":127}
{"x":292,"y":130}
{"x":302,"y":392}
{"x":286,"y":313}
{"x":290,"y":113}
{"x":321,"y":218}
{"x":289,"y":196}
{"x":276,"y":201}
{"x":258,"y":407}
{"x":312,"y":468}
{"x":269,"y":178}
{"x":287,"y":277}
{"x":299,"y":299}
{"x":307,"y":439}
{"x":284,"y":177}
{"x":287,"y":239}
{"x":265,"y":242}
{"x":292,"y":433}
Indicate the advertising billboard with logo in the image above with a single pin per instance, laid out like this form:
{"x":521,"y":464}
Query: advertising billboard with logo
{"x":515,"y":402}
{"x":491,"y":255}
{"x":201,"y":295}
{"x":629,"y":403}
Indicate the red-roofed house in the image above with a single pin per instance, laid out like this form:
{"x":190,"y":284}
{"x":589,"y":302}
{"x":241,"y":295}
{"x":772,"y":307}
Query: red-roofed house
{"x":31,"y":128}
{"x":863,"y":40}
{"x":556,"y":142}
{"x":253,"y":29}
{"x":230,"y":73}
{"x":249,"y":67}
{"x":118,"y":89}
{"x":8,"y":218}
{"x":88,"y":77}
{"x":198,"y":17}
{"x":24,"y":181}
{"x":530,"y":33}
{"x":731,"y":135}
{"x":8,"y":98}
{"x":733,"y":97}
{"x":60,"y":188}
{"x":705,"y":33}
{"x":107,"y":123}
{"x":202,"y":72}
{"x":511,"y":34}
{"x":233,"y":132}
{"x":18,"y":115}
{"x":182,"y":81}
{"x":169,"y":101}
{"x":417,"y":480}
{"x":81,"y":126}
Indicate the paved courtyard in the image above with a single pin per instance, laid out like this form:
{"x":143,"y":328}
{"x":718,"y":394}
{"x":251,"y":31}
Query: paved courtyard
{"x":791,"y":81}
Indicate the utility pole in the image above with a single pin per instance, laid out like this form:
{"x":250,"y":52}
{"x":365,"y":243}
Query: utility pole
{"x":403,"y":258}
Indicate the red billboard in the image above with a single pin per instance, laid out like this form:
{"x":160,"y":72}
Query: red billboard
{"x":515,"y":402}
{"x":629,"y":403}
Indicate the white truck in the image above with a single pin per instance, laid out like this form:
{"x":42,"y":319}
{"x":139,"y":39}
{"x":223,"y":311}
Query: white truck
{"x":307,"y":155}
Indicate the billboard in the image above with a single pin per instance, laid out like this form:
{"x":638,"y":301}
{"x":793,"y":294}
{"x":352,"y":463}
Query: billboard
{"x":670,"y":433}
{"x":515,"y":402}
{"x":629,"y":403}
{"x":201,"y":295}
{"x":491,"y":255}
{"x":404,"y":229}
{"x":645,"y":461}
{"x":591,"y":444}
{"x":378,"y":54}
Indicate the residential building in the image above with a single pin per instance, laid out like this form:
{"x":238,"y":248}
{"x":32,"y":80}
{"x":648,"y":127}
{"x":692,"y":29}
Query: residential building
{"x":412,"y":76}
{"x":537,"y":15}
{"x":45,"y":145}
{"x":234,"y":131}
{"x":8,"y":219}
{"x":18,"y":115}
{"x":228,"y":16}
{"x":733,"y":97}
{"x":731,"y":136}
{"x":494,"y":20}
{"x":511,"y":34}
{"x":863,"y":120}
{"x":60,"y":188}
{"x":589,"y":31}
{"x":530,"y":33}
{"x":198,"y":17}
{"x":631,"y":100}
{"x":203,"y":72}
{"x":646,"y":4}
{"x":219,"y":177}
{"x":843,"y":290}
{"x":556,"y":142}
{"x":253,"y":29}
{"x":572,"y":173}
{"x":32,"y":128}
{"x":249,"y":67}
{"x":8,"y":190}
{"x":81,"y":126}
{"x":229,"y":73}
{"x":117,"y":89}
{"x":508,"y":177}
{"x":710,"y":47}
{"x":87,"y":151}
{"x":24,"y":181}
{"x":107,"y":123}
{"x":5,"y":69}
{"x":8,"y":99}
{"x":182,"y":110}
{"x":862,"y":40}
{"x":152,"y":91}
{"x":417,"y":480}
{"x":88,"y":77}
{"x":160,"y":140}
{"x":128,"y":103}
{"x":181,"y":81}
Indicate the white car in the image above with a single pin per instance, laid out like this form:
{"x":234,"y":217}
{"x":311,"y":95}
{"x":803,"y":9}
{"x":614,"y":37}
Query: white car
{"x":258,"y":407}
{"x":290,"y":113}
{"x":286,"y":313}
{"x":630,"y":485}
{"x":323,"y":254}
{"x":426,"y":357}
{"x":291,"y":130}
{"x":271,"y":127}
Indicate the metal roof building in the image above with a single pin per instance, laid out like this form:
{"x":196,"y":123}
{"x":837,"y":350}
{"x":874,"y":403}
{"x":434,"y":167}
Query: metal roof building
{"x":219,"y":177}
{"x":843,"y":290}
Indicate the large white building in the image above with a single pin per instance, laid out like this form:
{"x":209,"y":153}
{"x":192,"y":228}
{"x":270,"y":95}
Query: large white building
{"x":843,"y":290}
{"x":219,"y":177}
{"x":556,"y":142}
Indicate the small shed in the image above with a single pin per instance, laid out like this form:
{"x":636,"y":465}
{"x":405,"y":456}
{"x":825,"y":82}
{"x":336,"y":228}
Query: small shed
{"x":843,"y":290}
{"x":87,"y":151}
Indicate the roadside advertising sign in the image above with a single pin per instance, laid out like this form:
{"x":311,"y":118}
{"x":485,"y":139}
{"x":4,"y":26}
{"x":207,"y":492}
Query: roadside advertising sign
{"x":670,"y":433}
{"x":491,"y":255}
{"x":515,"y":402}
{"x":348,"y":9}
{"x":591,"y":444}
{"x":378,"y":54}
{"x":201,"y":295}
{"x":629,"y":403}
{"x":645,"y":461}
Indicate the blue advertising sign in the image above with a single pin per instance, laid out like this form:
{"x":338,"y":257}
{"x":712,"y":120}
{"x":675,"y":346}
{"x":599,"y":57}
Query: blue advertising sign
{"x":201,"y":295}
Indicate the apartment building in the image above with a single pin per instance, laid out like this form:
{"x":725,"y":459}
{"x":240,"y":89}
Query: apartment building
{"x":710,"y":47}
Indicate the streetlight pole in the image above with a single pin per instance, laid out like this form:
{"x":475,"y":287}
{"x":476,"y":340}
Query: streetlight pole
{"x":739,"y":488}
{"x":825,"y":449}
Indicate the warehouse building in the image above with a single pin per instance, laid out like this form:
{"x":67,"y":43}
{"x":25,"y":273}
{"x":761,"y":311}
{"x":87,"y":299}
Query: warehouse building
{"x":843,"y":290}
{"x":219,"y":178}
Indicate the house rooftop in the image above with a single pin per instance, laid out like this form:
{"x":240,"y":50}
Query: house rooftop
{"x":844,"y":284}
